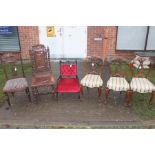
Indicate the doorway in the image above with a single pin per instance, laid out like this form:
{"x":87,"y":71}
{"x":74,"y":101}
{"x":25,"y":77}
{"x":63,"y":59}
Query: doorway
{"x":68,"y":42}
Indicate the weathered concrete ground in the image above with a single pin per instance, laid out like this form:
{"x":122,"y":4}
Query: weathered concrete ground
{"x":69,"y":111}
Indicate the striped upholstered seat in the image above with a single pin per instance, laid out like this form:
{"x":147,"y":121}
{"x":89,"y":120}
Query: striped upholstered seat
{"x":118,"y":84}
{"x":141,"y":85}
{"x":92,"y":81}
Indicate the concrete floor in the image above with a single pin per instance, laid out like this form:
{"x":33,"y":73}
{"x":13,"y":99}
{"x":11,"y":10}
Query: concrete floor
{"x":69,"y":111}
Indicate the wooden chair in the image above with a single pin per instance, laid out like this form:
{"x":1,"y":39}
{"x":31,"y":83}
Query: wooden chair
{"x":68,"y":81}
{"x":117,"y":81}
{"x":93,"y":67}
{"x":141,"y":80}
{"x":41,"y":71}
{"x":14,"y":82}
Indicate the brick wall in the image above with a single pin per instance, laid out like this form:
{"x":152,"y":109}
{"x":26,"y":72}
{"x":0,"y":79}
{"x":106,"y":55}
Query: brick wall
{"x":29,"y":36}
{"x":106,"y":47}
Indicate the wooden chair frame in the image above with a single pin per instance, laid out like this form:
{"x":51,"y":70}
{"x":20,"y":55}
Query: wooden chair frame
{"x":41,"y":70}
{"x":118,"y":62}
{"x":93,"y":65}
{"x":12,"y":60}
{"x":140,"y":74}
{"x":60,"y":76}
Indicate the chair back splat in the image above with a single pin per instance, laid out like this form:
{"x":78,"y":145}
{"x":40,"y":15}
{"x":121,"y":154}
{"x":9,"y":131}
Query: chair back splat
{"x":116,"y":67}
{"x":141,"y":71}
{"x":93,"y":65}
{"x":40,"y":58}
{"x":12,"y":65}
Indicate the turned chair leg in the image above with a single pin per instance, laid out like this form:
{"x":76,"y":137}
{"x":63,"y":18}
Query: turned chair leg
{"x":130,"y":96}
{"x":151,"y":98}
{"x":57,"y":95}
{"x":107,"y":92}
{"x":34,"y":93}
{"x":99,"y":91}
{"x":28,"y":94}
{"x":79,"y":96}
{"x":8,"y":99}
{"x":81,"y":89}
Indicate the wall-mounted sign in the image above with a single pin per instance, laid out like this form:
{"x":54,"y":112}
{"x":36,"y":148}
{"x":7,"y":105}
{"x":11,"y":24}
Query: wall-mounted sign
{"x":4,"y":30}
{"x":50,"y":31}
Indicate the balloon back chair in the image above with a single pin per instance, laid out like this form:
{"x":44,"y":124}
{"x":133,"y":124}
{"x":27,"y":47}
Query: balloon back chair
{"x":15,"y":77}
{"x":41,"y":71}
{"x":117,"y":81}
{"x":141,"y":79}
{"x":93,"y":67}
{"x":68,"y":81}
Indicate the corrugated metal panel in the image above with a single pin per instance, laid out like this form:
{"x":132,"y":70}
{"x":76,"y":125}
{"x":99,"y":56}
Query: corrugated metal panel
{"x":10,"y":42}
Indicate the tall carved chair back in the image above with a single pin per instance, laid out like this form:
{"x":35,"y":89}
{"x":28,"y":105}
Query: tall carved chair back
{"x":40,"y":58}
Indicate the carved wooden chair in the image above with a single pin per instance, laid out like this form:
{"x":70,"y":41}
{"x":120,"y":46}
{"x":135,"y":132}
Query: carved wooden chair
{"x":41,"y":71}
{"x":93,"y":67}
{"x":141,"y":80}
{"x":15,"y":76}
{"x":117,"y":81}
{"x":68,"y":81}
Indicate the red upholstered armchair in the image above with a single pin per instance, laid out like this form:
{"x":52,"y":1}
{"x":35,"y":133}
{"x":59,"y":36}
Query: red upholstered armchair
{"x":68,"y":81}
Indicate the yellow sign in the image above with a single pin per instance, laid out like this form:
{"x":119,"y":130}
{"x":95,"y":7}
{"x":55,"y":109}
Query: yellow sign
{"x":50,"y":31}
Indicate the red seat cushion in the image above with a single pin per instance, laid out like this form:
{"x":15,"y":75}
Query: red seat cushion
{"x":68,"y":85}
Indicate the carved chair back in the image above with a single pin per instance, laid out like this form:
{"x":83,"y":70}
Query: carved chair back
{"x":118,"y":67}
{"x":93,"y":65}
{"x":40,"y":58}
{"x":12,"y":65}
{"x":140,"y":71}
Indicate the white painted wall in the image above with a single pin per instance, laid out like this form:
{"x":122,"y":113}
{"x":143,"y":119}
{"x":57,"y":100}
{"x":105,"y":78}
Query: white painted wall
{"x":70,"y":41}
